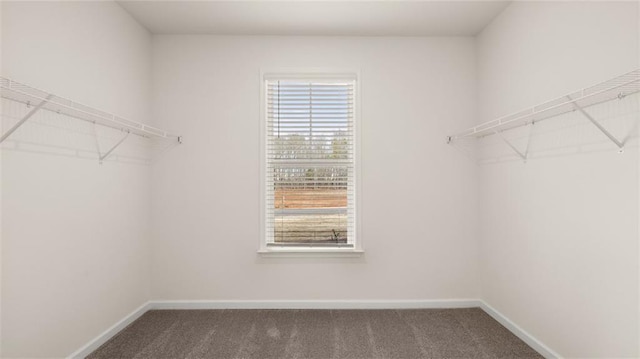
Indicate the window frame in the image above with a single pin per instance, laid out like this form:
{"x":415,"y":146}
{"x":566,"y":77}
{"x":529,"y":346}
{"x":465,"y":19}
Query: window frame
{"x":310,"y":75}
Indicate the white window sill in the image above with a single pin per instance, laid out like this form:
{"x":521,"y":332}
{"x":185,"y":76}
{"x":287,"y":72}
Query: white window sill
{"x":311,"y":252}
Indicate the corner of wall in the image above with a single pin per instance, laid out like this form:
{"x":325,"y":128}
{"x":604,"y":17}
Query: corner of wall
{"x":638,"y":134}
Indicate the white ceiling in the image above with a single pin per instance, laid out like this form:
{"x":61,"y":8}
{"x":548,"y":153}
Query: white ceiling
{"x":327,"y":18}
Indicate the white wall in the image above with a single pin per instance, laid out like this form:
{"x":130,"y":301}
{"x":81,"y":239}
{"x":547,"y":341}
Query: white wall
{"x":559,"y":235}
{"x":74,"y":233}
{"x":1,"y":130}
{"x":418,"y":196}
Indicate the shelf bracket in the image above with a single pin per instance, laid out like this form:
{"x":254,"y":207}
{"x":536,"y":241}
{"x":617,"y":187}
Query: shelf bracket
{"x":25,"y":118}
{"x":103,"y":157}
{"x":597,"y":124}
{"x":95,"y":135}
{"x":526,"y":151}
{"x":520,"y":154}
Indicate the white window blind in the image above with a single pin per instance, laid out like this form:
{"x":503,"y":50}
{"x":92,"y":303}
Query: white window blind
{"x":310,"y":185}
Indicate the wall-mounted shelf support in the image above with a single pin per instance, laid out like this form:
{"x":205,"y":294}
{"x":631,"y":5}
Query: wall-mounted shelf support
{"x":95,"y":136}
{"x":526,"y":151}
{"x":518,"y":152}
{"x":597,"y":124}
{"x":24,"y":119}
{"x":103,"y":157}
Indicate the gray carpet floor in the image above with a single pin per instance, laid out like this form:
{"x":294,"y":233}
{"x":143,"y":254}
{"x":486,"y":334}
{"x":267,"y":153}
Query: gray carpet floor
{"x":420,"y":333}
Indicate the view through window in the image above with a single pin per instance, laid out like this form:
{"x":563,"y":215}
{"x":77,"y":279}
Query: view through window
{"x":310,"y":163}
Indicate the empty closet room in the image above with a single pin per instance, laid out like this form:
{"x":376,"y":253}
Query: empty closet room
{"x":320,"y":179}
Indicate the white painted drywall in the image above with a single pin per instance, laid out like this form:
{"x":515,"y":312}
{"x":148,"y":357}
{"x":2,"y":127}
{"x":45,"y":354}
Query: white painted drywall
{"x":419,"y":202}
{"x":559,"y":235}
{"x":1,"y":130}
{"x":74,"y":234}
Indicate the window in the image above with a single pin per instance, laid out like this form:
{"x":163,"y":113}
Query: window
{"x":310,"y":167}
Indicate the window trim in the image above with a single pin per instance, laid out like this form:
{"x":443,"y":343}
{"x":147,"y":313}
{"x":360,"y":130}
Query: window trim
{"x":310,"y":74}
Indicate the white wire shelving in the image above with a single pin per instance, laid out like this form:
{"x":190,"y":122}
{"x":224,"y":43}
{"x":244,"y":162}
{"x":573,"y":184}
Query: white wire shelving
{"x":610,"y":90}
{"x":38,"y":100}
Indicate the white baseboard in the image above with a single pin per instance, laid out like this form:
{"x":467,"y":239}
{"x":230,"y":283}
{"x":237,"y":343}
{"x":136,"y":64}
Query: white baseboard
{"x":532,"y":341}
{"x":109,"y":333}
{"x":314,"y":304}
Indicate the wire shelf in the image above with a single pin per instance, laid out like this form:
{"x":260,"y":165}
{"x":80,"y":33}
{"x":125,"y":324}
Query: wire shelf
{"x":614,"y":89}
{"x":42,"y":100}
